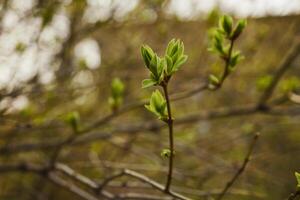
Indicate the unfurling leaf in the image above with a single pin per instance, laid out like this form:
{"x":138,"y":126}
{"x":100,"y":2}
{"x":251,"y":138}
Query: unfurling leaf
{"x":217,"y":43}
{"x":225,"y":24}
{"x":174,"y":56}
{"x":154,"y":63}
{"x":158,"y":105}
{"x":213,"y":81}
{"x":147,"y":54}
{"x":148,"y":83}
{"x":241,"y":24}
{"x":235,"y":59}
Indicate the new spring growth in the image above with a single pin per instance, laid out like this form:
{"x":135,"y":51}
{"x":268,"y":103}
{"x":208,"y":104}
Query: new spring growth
{"x":222,"y":40}
{"x":117,"y":92}
{"x":162,"y":68}
{"x":165,"y":153}
{"x":174,"y":56}
{"x":158,"y":105}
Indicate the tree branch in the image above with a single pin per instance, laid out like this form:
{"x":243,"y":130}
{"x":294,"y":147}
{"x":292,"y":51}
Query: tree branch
{"x":241,"y":169}
{"x":283,"y":67}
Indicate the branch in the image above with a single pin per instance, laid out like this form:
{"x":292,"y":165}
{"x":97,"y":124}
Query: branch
{"x":45,"y":171}
{"x":134,"y":106}
{"x":71,"y":187}
{"x":218,"y":113}
{"x":171,"y":140}
{"x":144,"y":179}
{"x":283,"y":67}
{"x":241,"y":169}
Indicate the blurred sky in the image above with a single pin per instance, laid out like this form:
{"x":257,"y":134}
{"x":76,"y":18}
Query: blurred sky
{"x":242,"y":8}
{"x":38,"y":51}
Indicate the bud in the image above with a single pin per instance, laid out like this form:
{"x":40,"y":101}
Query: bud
{"x":239,"y":28}
{"x":226,"y":24}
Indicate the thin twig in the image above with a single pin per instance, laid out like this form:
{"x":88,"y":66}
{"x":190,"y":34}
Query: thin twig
{"x":171,"y":140}
{"x":71,"y":187}
{"x":218,"y":113}
{"x":285,"y":64}
{"x":227,"y":64}
{"x":154,"y":184}
{"x":144,"y":179}
{"x":241,"y":169}
{"x":45,"y":171}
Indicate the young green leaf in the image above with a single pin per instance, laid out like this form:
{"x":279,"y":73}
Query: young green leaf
{"x":170,"y":47}
{"x":174,"y":57}
{"x":148,"y":83}
{"x":217,"y":45}
{"x":235,"y":59}
{"x":153,"y":63}
{"x":147,"y":54}
{"x":213,"y":81}
{"x":241,"y":24}
{"x":179,"y":62}
{"x":158,"y":105}
{"x":226,"y":24}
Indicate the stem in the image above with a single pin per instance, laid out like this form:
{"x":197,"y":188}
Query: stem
{"x":227,"y":63}
{"x":241,"y":169}
{"x":171,"y":142}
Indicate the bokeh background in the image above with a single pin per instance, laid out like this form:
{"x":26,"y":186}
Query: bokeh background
{"x":60,"y":56}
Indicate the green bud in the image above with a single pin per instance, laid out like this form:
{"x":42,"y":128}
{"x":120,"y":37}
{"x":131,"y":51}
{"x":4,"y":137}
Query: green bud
{"x":239,"y":28}
{"x":148,"y":83}
{"x":217,"y":42}
{"x":235,"y":59}
{"x":158,"y":105}
{"x":147,"y":54}
{"x":213,"y":81}
{"x":174,"y":56}
{"x":165,"y":153}
{"x":226,"y":24}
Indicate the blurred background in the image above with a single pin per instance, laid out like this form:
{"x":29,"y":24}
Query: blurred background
{"x":58,"y":58}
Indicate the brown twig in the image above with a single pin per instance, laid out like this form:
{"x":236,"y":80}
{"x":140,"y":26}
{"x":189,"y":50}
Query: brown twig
{"x":45,"y":171}
{"x":171,"y":139}
{"x":218,"y":113}
{"x":283,"y":67}
{"x":144,"y":179}
{"x":227,"y":64}
{"x":241,"y":169}
{"x":71,"y":187}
